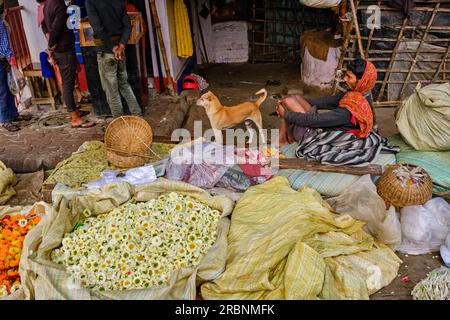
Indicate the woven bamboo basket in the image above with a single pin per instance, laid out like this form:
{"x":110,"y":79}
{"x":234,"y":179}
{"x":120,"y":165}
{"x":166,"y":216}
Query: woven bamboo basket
{"x":128,"y":141}
{"x":394,"y":193}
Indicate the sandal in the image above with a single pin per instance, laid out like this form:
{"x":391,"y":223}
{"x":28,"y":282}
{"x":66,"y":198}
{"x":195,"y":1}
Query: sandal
{"x":23,"y":117}
{"x":10,"y":127}
{"x":85,"y":124}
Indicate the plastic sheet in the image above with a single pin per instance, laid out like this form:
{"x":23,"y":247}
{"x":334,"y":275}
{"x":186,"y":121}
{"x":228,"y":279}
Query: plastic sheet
{"x":135,"y":176}
{"x":16,"y":80}
{"x":425,"y":228}
{"x":362,"y":202}
{"x":445,"y":251}
{"x":201,"y":164}
{"x":235,"y":180}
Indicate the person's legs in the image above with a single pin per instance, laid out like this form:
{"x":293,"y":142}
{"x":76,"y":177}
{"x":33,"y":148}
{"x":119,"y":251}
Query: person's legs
{"x":126,"y":91}
{"x":296,"y":104}
{"x":108,"y":69}
{"x":67,"y":65}
{"x":8,"y":110}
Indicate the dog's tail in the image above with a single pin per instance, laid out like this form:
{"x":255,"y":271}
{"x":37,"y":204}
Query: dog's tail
{"x":262,"y":92}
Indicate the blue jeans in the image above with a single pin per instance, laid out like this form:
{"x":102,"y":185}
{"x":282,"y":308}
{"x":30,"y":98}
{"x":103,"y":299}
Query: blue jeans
{"x":8,"y":110}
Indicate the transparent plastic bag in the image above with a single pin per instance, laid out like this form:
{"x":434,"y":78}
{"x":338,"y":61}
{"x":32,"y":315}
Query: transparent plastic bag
{"x":445,"y":251}
{"x":234,"y":180}
{"x":425,"y":228}
{"x":362,"y":202}
{"x":136,"y":176}
{"x":16,"y":80}
{"x":201,"y":164}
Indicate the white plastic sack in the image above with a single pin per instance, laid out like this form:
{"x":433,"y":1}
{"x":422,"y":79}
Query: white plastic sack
{"x":362,"y":202}
{"x":16,"y":80}
{"x":320,"y":3}
{"x":445,"y":251}
{"x":424,"y":228}
{"x":136,"y":176}
{"x":316,"y":72}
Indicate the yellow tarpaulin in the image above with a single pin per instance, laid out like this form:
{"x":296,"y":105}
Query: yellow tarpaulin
{"x":285,"y":244}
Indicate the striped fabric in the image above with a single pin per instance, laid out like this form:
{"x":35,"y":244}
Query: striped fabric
{"x":44,"y":279}
{"x":342,"y":148}
{"x":326,"y":183}
{"x":285,"y":244}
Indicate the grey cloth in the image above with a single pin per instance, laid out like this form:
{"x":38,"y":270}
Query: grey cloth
{"x":114,"y":78}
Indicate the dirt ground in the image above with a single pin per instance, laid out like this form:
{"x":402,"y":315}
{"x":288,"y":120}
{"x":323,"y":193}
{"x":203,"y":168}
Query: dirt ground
{"x":236,"y":83}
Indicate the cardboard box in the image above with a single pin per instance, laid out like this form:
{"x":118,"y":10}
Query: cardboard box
{"x":87,"y":33}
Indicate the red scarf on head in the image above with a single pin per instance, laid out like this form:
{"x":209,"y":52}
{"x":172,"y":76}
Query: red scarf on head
{"x":358,"y":106}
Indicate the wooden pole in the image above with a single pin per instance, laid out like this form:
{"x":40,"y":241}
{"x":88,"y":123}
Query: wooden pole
{"x":299,"y":164}
{"x":162,"y":47}
{"x":391,"y":62}
{"x":358,"y":33}
{"x":424,"y":36}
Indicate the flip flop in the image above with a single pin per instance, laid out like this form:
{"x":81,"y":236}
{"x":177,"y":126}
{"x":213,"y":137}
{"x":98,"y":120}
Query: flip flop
{"x":83,"y":113}
{"x":85,"y":124}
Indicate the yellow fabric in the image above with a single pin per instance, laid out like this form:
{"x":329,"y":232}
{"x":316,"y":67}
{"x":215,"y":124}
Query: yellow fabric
{"x":285,"y":244}
{"x":7,"y":181}
{"x":183,"y":30}
{"x":424,"y":119}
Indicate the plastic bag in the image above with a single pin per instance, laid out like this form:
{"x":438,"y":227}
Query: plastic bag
{"x":445,"y":251}
{"x":320,"y":3}
{"x":362,"y":202}
{"x":424,"y":228}
{"x":16,"y":80}
{"x":255,"y":165}
{"x":135,"y":176}
{"x":235,"y":180}
{"x":201,"y":164}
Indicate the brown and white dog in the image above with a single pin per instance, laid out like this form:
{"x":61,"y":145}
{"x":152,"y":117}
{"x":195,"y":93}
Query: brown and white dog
{"x":222,"y":117}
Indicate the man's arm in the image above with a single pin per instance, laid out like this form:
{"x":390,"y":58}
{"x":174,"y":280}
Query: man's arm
{"x":126,"y":32}
{"x":59,"y":24}
{"x":97,"y":25}
{"x":333,"y":118}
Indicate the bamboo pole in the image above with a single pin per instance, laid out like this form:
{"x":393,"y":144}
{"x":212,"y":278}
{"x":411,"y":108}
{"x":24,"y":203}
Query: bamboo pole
{"x":413,"y":64}
{"x":391,"y":62}
{"x":441,"y":67}
{"x":370,"y":38}
{"x":358,"y":32}
{"x":162,"y":47}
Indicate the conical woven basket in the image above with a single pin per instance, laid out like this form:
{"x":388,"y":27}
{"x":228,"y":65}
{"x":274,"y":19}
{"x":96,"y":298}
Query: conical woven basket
{"x":394,"y":193}
{"x":128,"y":141}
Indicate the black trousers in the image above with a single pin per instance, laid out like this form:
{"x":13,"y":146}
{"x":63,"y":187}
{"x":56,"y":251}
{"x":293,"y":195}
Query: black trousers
{"x":67,"y":63}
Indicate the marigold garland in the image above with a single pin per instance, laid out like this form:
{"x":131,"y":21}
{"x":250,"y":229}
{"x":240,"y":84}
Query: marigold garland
{"x":13,"y":229}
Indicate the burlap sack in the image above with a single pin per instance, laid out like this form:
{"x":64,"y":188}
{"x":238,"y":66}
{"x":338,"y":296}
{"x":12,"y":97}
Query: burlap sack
{"x":41,"y":208}
{"x":7,"y":181}
{"x":48,"y":280}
